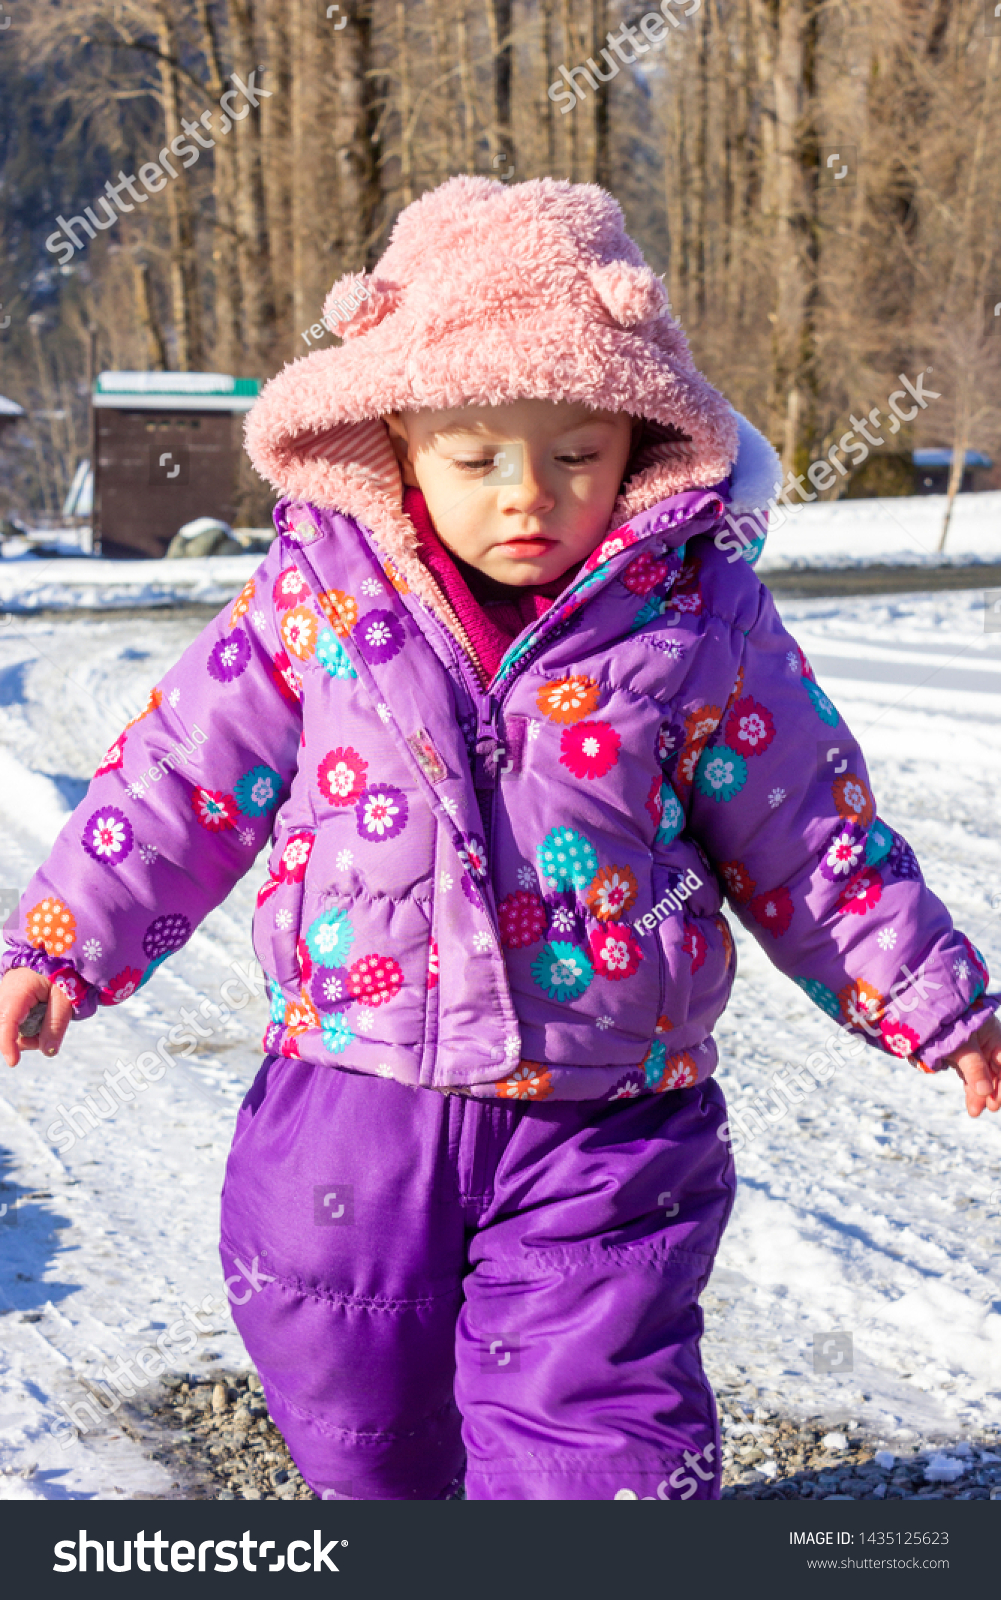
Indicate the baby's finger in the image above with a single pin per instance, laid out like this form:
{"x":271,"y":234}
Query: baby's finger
{"x":57,"y":1019}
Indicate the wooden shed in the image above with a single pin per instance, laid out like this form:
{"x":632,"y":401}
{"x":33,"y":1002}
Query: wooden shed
{"x":166,"y":449}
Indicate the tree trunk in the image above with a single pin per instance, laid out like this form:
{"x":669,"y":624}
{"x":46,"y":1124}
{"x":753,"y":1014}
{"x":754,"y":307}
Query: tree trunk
{"x":499,"y":29}
{"x":155,"y":351}
{"x":406,"y":131}
{"x":184,"y":288}
{"x":354,"y":130}
{"x":224,"y":244}
{"x":465,"y":93}
{"x":253,"y":257}
{"x":275,"y":157}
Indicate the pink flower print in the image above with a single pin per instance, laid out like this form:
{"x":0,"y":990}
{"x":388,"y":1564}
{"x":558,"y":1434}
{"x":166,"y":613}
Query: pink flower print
{"x":773,"y":910}
{"x":522,"y":918}
{"x":864,"y":892}
{"x":120,"y":987}
{"x":750,"y":727}
{"x":375,"y":979}
{"x":655,"y":801}
{"x":644,"y":574}
{"x":695,"y":945}
{"x":589,"y":749}
{"x":381,"y":813}
{"x":341,"y":776}
{"x":107,"y":836}
{"x":114,"y":758}
{"x":433,"y":972}
{"x":738,"y":881}
{"x":615,"y":952}
{"x":214,"y":811}
{"x":612,"y":545}
{"x":286,"y":677}
{"x":473,"y":855}
{"x":293,"y":859}
{"x":229,"y":657}
{"x":290,"y":588}
{"x":898,"y":1038}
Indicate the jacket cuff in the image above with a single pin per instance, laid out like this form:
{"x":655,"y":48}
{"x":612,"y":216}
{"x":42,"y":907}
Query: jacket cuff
{"x":954,"y":1034}
{"x":83,"y":995}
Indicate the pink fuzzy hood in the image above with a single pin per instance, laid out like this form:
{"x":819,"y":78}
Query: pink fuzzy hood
{"x":489,"y":293}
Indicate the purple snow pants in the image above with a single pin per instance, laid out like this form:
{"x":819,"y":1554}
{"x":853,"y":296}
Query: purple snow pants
{"x":430,"y":1284}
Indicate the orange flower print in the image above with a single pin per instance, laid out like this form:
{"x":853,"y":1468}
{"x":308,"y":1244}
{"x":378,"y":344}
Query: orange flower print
{"x":611,"y":893}
{"x":700,"y":724}
{"x":861,"y":1004}
{"x":340,"y":610}
{"x":530,"y":1081}
{"x":241,"y":605}
{"x":299,"y":632}
{"x":726,"y":936}
{"x":680,"y":1072}
{"x":51,"y":926}
{"x":301,"y":1016}
{"x":152,"y":704}
{"x":688,"y":761}
{"x":664,"y":1025}
{"x":568,"y":700}
{"x":396,"y":577}
{"x":852,"y":798}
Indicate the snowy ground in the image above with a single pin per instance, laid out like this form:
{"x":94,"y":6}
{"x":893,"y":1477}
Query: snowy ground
{"x":901,"y":531}
{"x":866,"y":1210}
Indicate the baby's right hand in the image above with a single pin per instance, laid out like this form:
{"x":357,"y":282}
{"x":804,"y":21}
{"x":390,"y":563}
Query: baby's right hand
{"x":20,"y":990}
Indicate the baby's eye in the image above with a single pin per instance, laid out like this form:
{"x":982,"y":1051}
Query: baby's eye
{"x":479,"y":464}
{"x":574,"y":459}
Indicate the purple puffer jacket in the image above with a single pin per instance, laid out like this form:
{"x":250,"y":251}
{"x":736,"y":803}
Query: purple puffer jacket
{"x":516,"y":891}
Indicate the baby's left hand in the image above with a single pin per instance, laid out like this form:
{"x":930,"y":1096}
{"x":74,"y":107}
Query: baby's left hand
{"x":978,"y":1063}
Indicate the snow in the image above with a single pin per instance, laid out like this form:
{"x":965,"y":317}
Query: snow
{"x":872,"y":1209}
{"x":895,"y":532}
{"x":32,"y":583}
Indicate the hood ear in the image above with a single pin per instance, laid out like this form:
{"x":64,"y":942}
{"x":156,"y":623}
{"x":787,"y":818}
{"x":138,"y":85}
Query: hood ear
{"x":358,"y":302}
{"x":629,"y":294}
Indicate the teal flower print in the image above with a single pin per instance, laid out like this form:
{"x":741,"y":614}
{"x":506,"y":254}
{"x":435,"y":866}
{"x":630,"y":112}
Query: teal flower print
{"x":721,"y":773}
{"x":878,"y":844}
{"x":654,"y":1062}
{"x":562,"y":970}
{"x":330,"y":937}
{"x":332,"y":656}
{"x":336,"y":1033}
{"x":256,"y":793}
{"x":821,"y":995}
{"x":672,"y":817}
{"x":821,"y":705}
{"x":567,"y":859}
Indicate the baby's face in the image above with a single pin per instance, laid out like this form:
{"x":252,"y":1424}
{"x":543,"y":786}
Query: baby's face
{"x":522,"y":492}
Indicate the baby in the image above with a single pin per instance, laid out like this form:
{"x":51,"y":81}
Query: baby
{"x":511,"y":724}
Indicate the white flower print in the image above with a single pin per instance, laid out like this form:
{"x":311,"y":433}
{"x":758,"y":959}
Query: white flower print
{"x":258,"y":619}
{"x":563,"y":920}
{"x":148,"y":853}
{"x":135,"y":791}
{"x":283,"y":920}
{"x":365,"y":1020}
{"x":887,"y":938}
{"x":961,"y":970}
{"x":445,"y":881}
{"x":372,"y":586}
{"x":673,"y":649}
{"x":383,"y":711}
{"x":384,"y":1070}
{"x":776,"y":798}
{"x":93,"y":949}
{"x":344,"y":859}
{"x":527,"y":878}
{"x":603,"y":1023}
{"x":229,"y":654}
{"x":451,"y":807}
{"x":482,"y":941}
{"x":377,"y":635}
{"x":534,"y":729}
{"x":512,"y":1049}
{"x":174,"y":696}
{"x":108,"y":836}
{"x":245,"y":836}
{"x":792,"y":661}
{"x":333,"y":988}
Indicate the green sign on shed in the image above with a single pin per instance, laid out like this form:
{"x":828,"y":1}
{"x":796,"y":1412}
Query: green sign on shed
{"x":166,"y":450}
